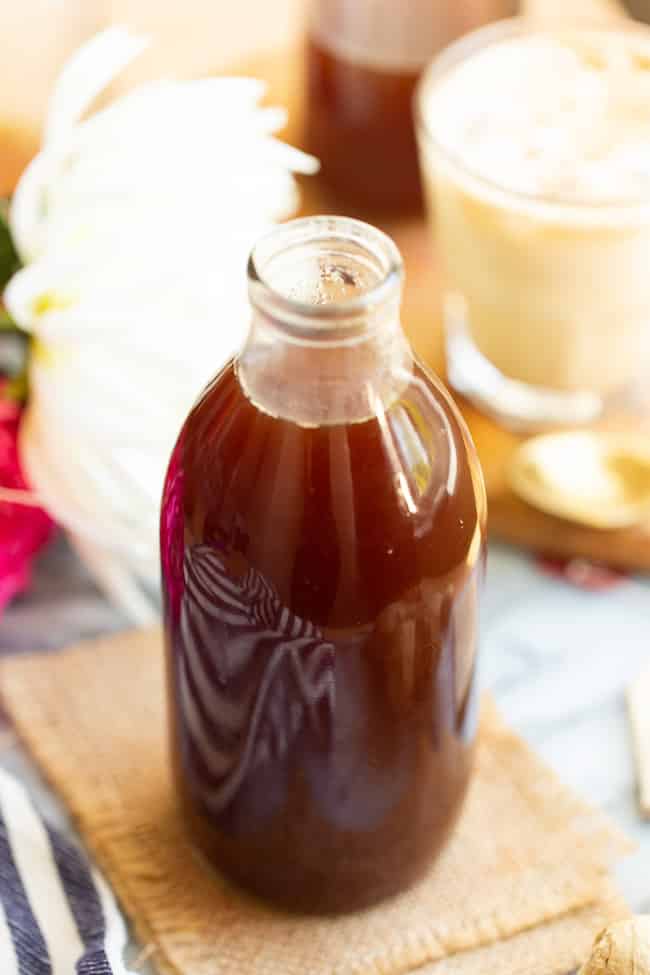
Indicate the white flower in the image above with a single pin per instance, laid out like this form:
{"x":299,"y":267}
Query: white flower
{"x":134,"y":227}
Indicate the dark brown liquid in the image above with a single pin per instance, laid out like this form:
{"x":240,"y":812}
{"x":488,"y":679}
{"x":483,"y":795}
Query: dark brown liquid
{"x":360,"y":125}
{"x":321,"y":590}
{"x":359,"y":119}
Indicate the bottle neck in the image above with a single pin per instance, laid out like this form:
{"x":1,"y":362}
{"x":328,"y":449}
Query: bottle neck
{"x":324,"y":382}
{"x":325,"y":345}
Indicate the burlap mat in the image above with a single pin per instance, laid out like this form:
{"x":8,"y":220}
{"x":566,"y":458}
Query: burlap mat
{"x":527,"y":855}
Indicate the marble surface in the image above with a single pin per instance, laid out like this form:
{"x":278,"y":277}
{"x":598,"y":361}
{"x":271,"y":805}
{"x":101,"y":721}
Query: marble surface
{"x":558,"y":659}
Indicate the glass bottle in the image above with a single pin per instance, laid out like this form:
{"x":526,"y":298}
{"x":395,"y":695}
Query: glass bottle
{"x":363,"y":61}
{"x":322,"y":541}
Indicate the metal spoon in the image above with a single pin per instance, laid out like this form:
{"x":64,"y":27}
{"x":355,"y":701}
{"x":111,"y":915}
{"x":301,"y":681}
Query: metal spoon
{"x":593,"y":478}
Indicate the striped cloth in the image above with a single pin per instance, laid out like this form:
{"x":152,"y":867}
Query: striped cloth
{"x":57,"y":915}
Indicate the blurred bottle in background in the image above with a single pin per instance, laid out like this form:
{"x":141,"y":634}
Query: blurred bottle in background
{"x":364,"y":58}
{"x":640,"y":9}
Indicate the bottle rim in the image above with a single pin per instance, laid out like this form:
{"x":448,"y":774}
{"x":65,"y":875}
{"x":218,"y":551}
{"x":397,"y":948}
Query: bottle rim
{"x":335,"y":236}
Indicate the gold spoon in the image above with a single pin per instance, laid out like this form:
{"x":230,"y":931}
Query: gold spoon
{"x":594,"y":478}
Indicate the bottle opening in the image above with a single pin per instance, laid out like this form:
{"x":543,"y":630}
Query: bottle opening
{"x":325,"y":343}
{"x":316,"y":272}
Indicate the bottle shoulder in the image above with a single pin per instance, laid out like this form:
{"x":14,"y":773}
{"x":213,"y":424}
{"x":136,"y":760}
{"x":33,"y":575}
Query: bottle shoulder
{"x":407,"y":474}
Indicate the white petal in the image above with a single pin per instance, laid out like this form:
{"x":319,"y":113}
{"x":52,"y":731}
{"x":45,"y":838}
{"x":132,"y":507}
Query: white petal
{"x":135,"y":225}
{"x":26,"y":216}
{"x":86,"y":74}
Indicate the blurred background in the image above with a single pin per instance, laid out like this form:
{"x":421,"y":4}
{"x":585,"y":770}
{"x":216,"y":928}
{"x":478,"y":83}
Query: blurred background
{"x":190,"y":39}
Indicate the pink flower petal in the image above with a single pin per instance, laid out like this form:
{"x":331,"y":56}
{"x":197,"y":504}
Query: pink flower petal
{"x":23,"y":530}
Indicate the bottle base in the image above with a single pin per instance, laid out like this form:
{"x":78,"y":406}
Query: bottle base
{"x":286,"y":884}
{"x":306,"y":903}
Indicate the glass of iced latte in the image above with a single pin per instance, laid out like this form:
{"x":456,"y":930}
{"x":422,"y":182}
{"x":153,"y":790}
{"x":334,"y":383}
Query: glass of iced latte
{"x":535,"y":152}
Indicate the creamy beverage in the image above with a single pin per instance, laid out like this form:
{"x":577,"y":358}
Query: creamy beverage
{"x":535,"y":150}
